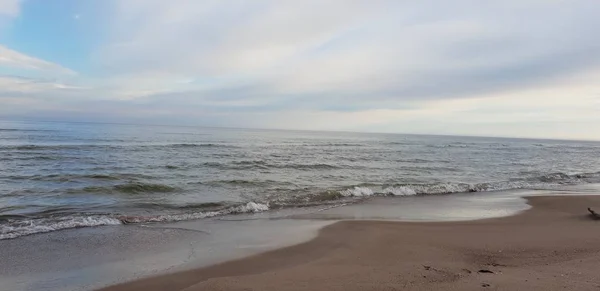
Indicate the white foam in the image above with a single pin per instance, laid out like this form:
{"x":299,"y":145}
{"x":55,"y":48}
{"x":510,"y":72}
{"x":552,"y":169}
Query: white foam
{"x":416,"y":189}
{"x":14,"y":229}
{"x":400,"y":191}
{"x":555,"y":181}
{"x":357,"y":192}
{"x":443,"y":188}
{"x":17,"y":228}
{"x":250,"y":207}
{"x":170,"y":218}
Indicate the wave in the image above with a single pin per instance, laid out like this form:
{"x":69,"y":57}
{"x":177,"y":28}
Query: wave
{"x":134,"y":146}
{"x":357,"y":191}
{"x":250,"y":207}
{"x":13,"y":228}
{"x":77,"y":177}
{"x":143,"y":187}
{"x":247,"y":183}
{"x":422,"y":161}
{"x":316,"y":166}
{"x":399,"y":143}
{"x":32,"y":158}
{"x":307,"y":200}
{"x":26,"y":130}
{"x":333,"y":144}
{"x":33,"y":147}
{"x":261,"y":164}
{"x":540,"y":182}
{"x":199,"y":145}
{"x":441,"y":146}
{"x":194,"y":206}
{"x":127,"y":188}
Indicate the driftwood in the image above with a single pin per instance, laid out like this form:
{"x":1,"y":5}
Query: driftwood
{"x":594,"y":214}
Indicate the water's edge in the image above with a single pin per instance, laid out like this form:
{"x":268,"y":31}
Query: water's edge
{"x":13,"y":226}
{"x":89,"y":258}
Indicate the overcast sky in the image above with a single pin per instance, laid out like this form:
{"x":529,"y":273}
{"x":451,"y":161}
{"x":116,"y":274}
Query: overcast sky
{"x":523,"y":68}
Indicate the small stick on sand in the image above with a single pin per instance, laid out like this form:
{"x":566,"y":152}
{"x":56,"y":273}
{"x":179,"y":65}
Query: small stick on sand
{"x":594,"y":214}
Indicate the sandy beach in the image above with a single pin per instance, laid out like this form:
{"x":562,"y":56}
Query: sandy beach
{"x":272,"y":145}
{"x":553,"y":246}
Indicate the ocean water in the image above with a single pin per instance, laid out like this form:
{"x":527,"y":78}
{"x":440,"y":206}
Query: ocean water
{"x":64,"y":175}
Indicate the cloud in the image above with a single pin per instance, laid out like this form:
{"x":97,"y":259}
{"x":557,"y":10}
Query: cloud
{"x":411,"y":66}
{"x":213,"y":37}
{"x":10,"y":8}
{"x":24,"y":97}
{"x":14,"y":59}
{"x":11,"y":84}
{"x":354,"y":51}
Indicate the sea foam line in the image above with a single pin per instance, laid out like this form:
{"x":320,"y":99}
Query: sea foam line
{"x":542,"y":182}
{"x":13,"y":228}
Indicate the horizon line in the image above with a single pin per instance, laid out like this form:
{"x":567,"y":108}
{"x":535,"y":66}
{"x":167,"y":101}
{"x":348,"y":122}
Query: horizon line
{"x":292,"y":129}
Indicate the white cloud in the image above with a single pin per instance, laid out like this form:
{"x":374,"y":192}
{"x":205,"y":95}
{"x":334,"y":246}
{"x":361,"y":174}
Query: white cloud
{"x":10,"y":8}
{"x":296,"y":47}
{"x":14,"y":59}
{"x":214,"y":37}
{"x":19,"y":85}
{"x":429,"y":66}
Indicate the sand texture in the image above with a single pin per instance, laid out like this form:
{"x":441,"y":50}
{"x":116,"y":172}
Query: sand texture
{"x":553,"y":246}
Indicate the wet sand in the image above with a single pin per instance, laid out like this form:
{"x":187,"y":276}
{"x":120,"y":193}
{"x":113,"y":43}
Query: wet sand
{"x":96,"y":257}
{"x":555,"y":245}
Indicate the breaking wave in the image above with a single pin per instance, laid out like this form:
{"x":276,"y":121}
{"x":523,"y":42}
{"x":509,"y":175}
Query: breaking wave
{"x":15,"y":226}
{"x":12,"y":227}
{"x":250,"y":207}
{"x":547,"y":181}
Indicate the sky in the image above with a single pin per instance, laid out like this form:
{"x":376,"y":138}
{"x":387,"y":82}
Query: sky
{"x":516,"y":68}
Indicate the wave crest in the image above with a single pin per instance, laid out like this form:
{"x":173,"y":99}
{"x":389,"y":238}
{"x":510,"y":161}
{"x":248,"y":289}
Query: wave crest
{"x":540,"y":182}
{"x":134,"y":188}
{"x":15,"y":228}
{"x":250,"y":207}
{"x":12,"y":227}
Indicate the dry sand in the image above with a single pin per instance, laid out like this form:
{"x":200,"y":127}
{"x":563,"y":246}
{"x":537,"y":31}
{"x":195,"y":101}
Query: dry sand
{"x":553,"y":246}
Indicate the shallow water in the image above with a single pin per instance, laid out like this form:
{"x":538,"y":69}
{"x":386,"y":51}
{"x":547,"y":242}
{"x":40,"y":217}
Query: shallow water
{"x":93,"y":257}
{"x":63,"y":175}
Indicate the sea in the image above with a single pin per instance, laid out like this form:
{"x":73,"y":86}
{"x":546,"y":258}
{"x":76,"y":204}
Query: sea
{"x":57,"y":175}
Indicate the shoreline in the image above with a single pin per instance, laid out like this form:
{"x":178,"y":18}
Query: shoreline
{"x":552,"y":246}
{"x":96,"y":257}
